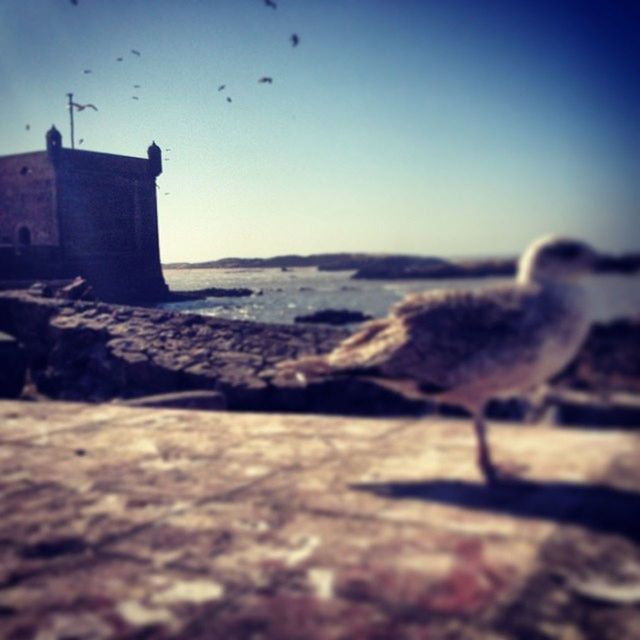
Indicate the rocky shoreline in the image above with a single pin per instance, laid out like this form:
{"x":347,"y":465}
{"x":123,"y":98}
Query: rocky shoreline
{"x":394,"y":267}
{"x":97,"y":352}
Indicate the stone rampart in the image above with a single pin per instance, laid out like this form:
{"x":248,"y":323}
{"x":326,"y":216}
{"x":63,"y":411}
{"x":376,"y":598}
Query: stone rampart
{"x":95,"y":351}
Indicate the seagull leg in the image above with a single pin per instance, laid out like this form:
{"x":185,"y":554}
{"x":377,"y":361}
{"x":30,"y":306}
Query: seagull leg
{"x":484,"y":453}
{"x":492,"y":474}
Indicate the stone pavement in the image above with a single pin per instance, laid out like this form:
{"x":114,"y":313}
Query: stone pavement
{"x":120,"y":522}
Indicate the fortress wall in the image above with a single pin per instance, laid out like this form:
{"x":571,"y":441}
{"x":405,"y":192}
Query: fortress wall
{"x":70,"y":212}
{"x":96,"y":213}
{"x":27,"y":199}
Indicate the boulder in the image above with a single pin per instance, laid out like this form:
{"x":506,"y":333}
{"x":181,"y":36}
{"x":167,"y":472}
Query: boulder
{"x":13,"y":366}
{"x":334,"y":316}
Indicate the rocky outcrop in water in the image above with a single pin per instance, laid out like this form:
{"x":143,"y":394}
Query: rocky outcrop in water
{"x":435,"y":269}
{"x":334,"y":317}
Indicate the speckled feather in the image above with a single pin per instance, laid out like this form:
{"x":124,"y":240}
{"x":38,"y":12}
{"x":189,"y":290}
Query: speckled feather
{"x":448,"y":338}
{"x":441,"y":341}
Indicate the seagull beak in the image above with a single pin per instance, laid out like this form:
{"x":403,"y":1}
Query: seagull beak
{"x":603,"y":263}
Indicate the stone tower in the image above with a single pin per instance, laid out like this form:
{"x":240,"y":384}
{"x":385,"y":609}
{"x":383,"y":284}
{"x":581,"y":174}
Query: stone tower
{"x":83,"y":213}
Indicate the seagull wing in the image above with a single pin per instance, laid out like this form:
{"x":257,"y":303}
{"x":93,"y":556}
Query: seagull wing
{"x":443,"y":339}
{"x":91,"y":106}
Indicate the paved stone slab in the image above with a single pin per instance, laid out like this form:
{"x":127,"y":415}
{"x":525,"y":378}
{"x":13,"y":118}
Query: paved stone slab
{"x":136,"y":522}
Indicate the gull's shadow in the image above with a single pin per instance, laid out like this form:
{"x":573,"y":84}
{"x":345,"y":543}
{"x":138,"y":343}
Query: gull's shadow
{"x":595,"y":507}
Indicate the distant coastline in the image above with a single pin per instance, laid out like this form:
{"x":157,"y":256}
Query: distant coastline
{"x":394,"y":267}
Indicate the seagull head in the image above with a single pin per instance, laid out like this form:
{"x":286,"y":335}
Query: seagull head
{"x":556,"y":259}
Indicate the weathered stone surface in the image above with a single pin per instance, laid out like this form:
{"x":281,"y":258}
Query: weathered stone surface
{"x":138,"y":523}
{"x":95,"y":351}
{"x":180,"y":400}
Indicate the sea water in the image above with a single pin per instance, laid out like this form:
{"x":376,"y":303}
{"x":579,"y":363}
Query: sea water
{"x":280,"y":295}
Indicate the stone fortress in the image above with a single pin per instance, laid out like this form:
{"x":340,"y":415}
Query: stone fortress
{"x":69,"y":212}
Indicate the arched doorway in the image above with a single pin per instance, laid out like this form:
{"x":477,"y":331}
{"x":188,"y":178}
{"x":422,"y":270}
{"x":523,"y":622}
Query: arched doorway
{"x":24,"y":237}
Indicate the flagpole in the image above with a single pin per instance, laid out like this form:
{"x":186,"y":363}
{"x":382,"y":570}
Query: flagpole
{"x":70,"y":96}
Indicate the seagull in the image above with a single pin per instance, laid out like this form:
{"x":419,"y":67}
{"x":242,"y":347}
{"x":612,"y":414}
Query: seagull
{"x":119,"y":59}
{"x":135,"y":98}
{"x":87,"y":71}
{"x":229,"y":99}
{"x":266,"y":79}
{"x":295,"y":39}
{"x":82,"y":107}
{"x":136,"y":86}
{"x":465,"y":347}
{"x":135,"y":52}
{"x":270,"y":3}
{"x":221,"y":87}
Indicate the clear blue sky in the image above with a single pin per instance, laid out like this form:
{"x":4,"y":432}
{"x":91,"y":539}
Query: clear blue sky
{"x":452,"y":127}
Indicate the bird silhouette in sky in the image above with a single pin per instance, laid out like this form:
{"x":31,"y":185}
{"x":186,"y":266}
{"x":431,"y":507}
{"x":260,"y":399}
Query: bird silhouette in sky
{"x":135,"y":52}
{"x":136,"y":86}
{"x":266,"y":80}
{"x":135,"y":98}
{"x":229,"y":99}
{"x":81,"y":141}
{"x":221,"y":87}
{"x":270,"y":3}
{"x":74,"y":3}
{"x":295,"y":39}
{"x":82,"y":107}
{"x":27,"y":127}
{"x":119,"y":59}
{"x":87,"y":71}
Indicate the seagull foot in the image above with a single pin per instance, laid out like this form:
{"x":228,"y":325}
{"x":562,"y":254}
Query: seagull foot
{"x":504,"y":473}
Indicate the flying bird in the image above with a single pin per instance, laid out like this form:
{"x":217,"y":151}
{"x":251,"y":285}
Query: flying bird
{"x":119,"y":59}
{"x":87,"y":71}
{"x":270,"y":3}
{"x":229,"y":99}
{"x":136,"y":86}
{"x":74,"y":3}
{"x":27,"y":127}
{"x":221,"y":87}
{"x":135,"y":52}
{"x":135,"y":98}
{"x":466,"y":347}
{"x":266,"y":79}
{"x":295,"y":39}
{"x":82,"y":107}
{"x":81,"y":141}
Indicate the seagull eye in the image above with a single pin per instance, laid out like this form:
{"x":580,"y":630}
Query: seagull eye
{"x":567,"y":251}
